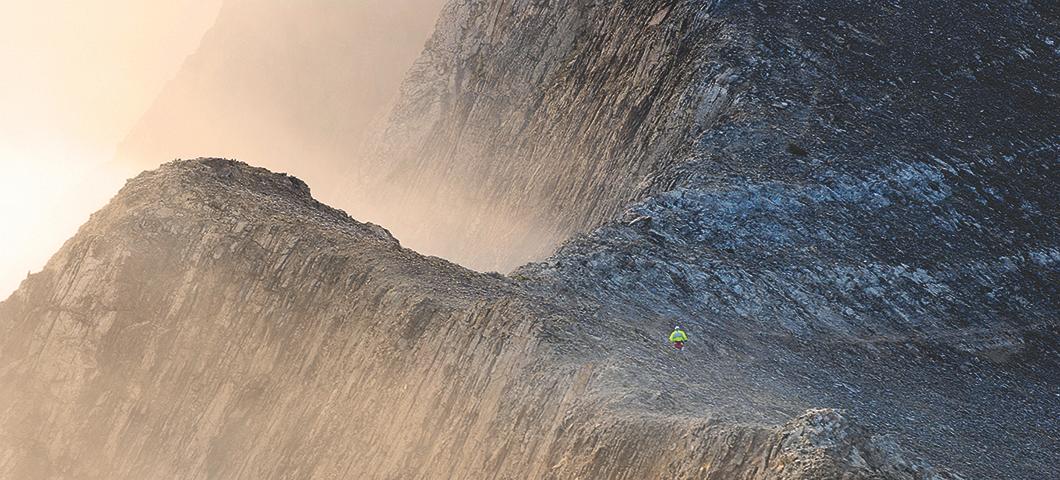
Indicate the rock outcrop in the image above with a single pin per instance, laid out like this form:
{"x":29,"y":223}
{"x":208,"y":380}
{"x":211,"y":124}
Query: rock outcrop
{"x":214,"y":321}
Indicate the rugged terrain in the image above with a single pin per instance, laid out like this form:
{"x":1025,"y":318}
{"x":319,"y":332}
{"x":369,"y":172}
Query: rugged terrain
{"x":525,"y":123}
{"x":214,"y":321}
{"x":853,"y":198}
{"x":848,"y":205}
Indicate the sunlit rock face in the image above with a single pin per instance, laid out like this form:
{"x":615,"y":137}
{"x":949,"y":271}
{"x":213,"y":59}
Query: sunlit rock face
{"x":294,"y":85}
{"x":214,"y":321}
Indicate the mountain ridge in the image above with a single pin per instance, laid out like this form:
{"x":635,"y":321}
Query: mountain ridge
{"x":179,"y":360}
{"x":848,"y":205}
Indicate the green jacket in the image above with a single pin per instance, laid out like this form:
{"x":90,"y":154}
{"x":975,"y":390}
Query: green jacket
{"x":678,"y":336}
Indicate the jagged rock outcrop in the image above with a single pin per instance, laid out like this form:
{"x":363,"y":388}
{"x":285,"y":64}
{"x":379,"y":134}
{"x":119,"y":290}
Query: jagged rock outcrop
{"x":297,"y":86}
{"x":214,"y":321}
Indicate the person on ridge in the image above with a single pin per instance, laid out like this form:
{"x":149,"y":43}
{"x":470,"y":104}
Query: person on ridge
{"x":678,"y":338}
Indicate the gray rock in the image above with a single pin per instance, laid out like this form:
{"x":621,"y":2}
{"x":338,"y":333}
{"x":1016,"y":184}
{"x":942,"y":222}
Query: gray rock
{"x":319,"y":348}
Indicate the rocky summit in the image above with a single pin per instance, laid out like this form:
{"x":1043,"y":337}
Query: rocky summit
{"x":851,"y":207}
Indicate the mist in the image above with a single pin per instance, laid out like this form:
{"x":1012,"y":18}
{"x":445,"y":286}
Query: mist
{"x":94,"y":93}
{"x":291,"y":86}
{"x":75,"y":77}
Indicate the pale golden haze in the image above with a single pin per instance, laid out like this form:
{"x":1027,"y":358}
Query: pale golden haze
{"x":297,"y":87}
{"x":288,"y":85}
{"x":74,"y":77}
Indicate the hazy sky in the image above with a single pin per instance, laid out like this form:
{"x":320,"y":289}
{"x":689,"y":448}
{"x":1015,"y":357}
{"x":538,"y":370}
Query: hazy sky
{"x":75,"y":76}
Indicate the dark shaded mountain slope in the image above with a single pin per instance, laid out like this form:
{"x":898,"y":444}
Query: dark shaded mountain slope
{"x":525,"y":123}
{"x":214,"y":321}
{"x":852,"y":203}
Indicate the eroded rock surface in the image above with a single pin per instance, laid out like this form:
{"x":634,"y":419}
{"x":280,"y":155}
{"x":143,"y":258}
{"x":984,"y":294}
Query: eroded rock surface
{"x":214,"y":321}
{"x":524,"y":123}
{"x":852,"y":203}
{"x":847,"y":205}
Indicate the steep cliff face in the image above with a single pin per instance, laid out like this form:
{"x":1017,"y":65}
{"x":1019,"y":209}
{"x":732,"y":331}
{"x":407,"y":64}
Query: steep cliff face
{"x":278,"y":81}
{"x":855,"y":202}
{"x":214,"y":321}
{"x":524,"y":123}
